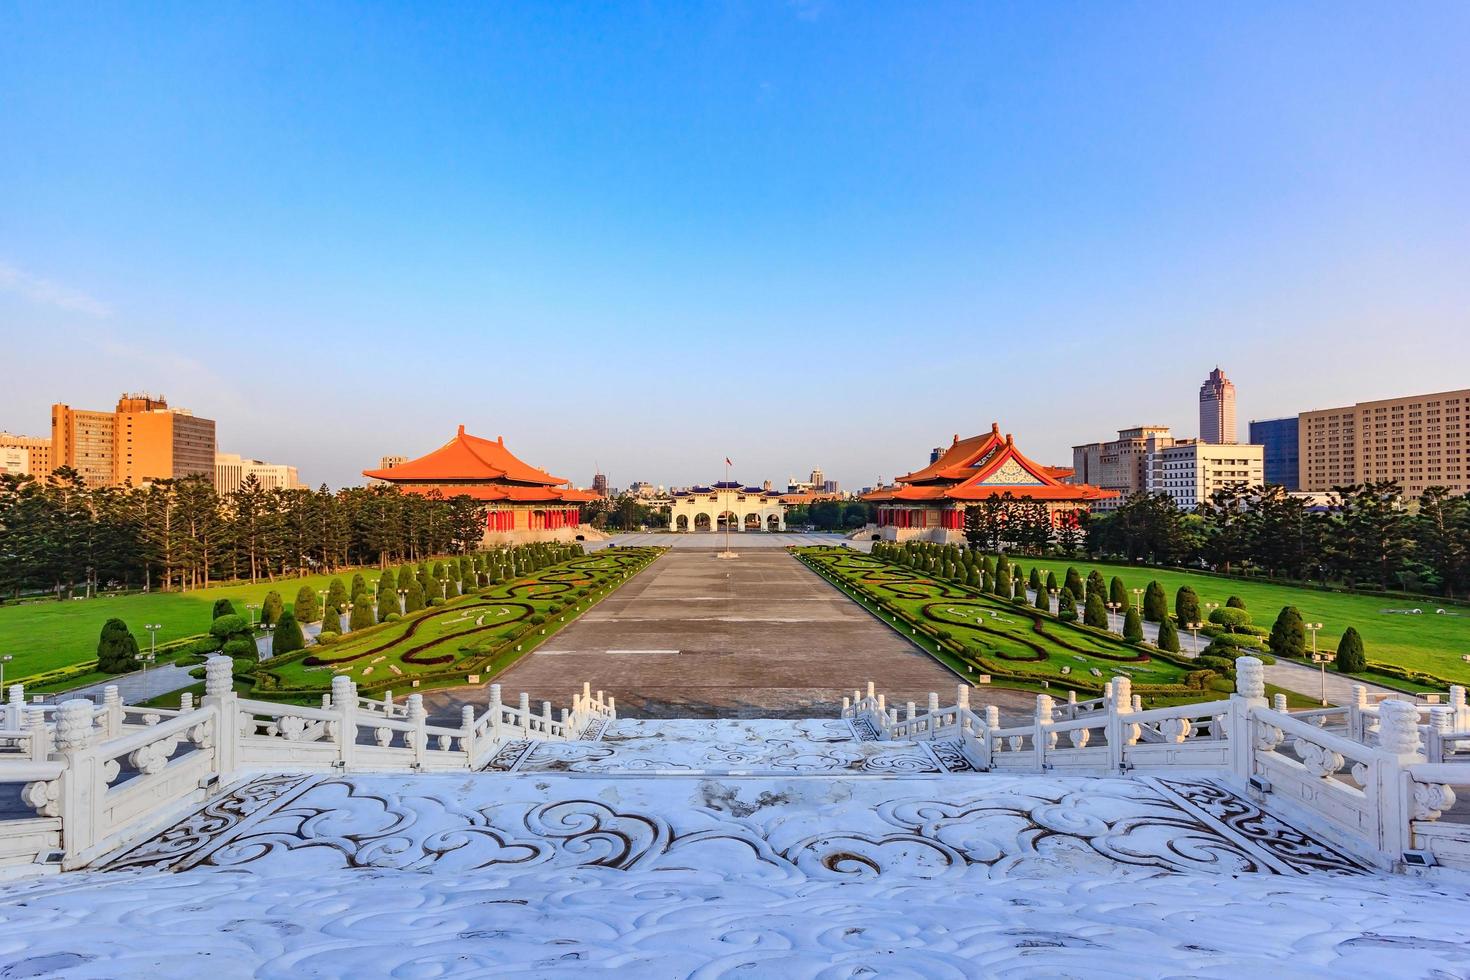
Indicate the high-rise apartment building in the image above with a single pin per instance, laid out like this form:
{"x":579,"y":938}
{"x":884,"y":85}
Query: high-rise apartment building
{"x":83,"y":440}
{"x":140,"y":441}
{"x":22,"y":455}
{"x":1191,"y":470}
{"x":1119,"y":464}
{"x":231,"y":471}
{"x":1279,"y":437}
{"x":817,"y":478}
{"x":155,"y":442}
{"x":599,"y":484}
{"x":1418,"y":441}
{"x":1217,"y":409}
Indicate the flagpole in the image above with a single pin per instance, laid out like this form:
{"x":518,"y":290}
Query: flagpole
{"x":727,"y":520}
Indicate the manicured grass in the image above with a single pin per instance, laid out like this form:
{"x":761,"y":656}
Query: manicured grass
{"x":44,"y":636}
{"x":1023,"y":642}
{"x":479,"y":633}
{"x":1427,"y":642}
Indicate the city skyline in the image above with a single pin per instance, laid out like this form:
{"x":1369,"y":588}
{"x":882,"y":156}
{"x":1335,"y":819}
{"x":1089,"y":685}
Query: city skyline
{"x":611,"y":236}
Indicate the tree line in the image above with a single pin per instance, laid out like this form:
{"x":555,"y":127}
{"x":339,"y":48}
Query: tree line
{"x":57,"y":535}
{"x":1370,"y":535}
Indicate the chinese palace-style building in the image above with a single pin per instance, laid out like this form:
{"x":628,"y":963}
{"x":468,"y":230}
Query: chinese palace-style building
{"x":526,"y":504}
{"x":930,"y":503}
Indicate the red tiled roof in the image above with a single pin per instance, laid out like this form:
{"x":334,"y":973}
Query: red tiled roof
{"x":503,"y":493}
{"x":467,"y":458}
{"x":986,"y":466}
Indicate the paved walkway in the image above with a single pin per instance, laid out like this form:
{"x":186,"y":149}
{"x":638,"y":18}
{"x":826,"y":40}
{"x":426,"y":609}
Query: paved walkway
{"x":138,"y":686}
{"x":715,"y":541}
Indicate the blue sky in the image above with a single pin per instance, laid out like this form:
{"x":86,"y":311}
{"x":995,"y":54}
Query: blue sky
{"x":653,"y":235}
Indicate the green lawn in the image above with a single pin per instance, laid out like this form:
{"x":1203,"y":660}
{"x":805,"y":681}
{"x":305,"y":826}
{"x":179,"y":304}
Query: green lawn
{"x":480,"y":633}
{"x":1426,"y":642}
{"x":1019,"y":641}
{"x":45,"y":636}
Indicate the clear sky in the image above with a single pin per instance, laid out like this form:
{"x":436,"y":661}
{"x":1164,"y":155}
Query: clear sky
{"x":654,"y":235}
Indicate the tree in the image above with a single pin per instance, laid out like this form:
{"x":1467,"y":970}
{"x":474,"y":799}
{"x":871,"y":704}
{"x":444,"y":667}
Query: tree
{"x":1067,"y":607}
{"x":1350,"y":656}
{"x":414,"y":600}
{"x":1235,"y":602}
{"x":1155,"y":603}
{"x":271,"y":608}
{"x":1132,"y":626}
{"x":1186,"y":606}
{"x":1288,"y":634}
{"x":1073,"y":582}
{"x":1095,"y":584}
{"x":362,"y":612}
{"x":1034,"y":580}
{"x":304,"y":609}
{"x":359,"y":586}
{"x":117,"y":648}
{"x":288,"y":637}
{"x":223,"y":607}
{"x":1003,"y":581}
{"x":387,"y":603}
{"x":1051,"y":581}
{"x":1118,"y":593}
{"x":972,"y":577}
{"x":1168,"y":636}
{"x":1042,"y":600}
{"x":1095,"y":614}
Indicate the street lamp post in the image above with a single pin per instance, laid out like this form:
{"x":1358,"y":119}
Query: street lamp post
{"x":3,"y":661}
{"x":1113,"y":607}
{"x":1054,"y":593}
{"x":152,"y":629}
{"x":403,"y":600}
{"x":1138,"y":600}
{"x":1321,"y":660}
{"x":250,"y":608}
{"x":1194,"y":629}
{"x":270,"y":640}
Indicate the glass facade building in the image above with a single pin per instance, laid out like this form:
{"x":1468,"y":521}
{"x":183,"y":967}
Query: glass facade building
{"x":1283,"y":450}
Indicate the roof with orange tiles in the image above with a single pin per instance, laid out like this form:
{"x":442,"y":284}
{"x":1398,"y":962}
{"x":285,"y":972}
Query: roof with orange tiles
{"x":982,"y":467}
{"x":481,"y":469}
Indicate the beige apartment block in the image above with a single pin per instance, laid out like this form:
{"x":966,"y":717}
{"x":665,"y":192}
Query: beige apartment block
{"x":1120,"y":464}
{"x":1190,"y":471}
{"x":1418,"y":441}
{"x":231,"y":470}
{"x":83,"y":440}
{"x":21,"y":455}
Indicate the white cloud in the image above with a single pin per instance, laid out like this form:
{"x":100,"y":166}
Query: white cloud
{"x":44,"y":292}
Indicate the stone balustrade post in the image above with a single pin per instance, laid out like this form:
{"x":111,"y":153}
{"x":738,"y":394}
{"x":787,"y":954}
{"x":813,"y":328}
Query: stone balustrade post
{"x":525,"y":709}
{"x":326,"y":702}
{"x":186,"y":702}
{"x":909,"y":711}
{"x":344,"y":702}
{"x":467,"y":736}
{"x":1278,"y":702}
{"x":418,"y":717}
{"x":112,"y":719}
{"x":870,"y":690}
{"x":1249,"y":696}
{"x":80,"y":794}
{"x":495,"y":709}
{"x":219,"y":693}
{"x":1040,"y":737}
{"x":1121,"y":733}
{"x":612,"y":706}
{"x":387,"y":704}
{"x":1459,"y":708}
{"x":1071,"y":705}
{"x":933,"y":702}
{"x":546,"y":719}
{"x":1441,"y":723}
{"x":1358,"y":713}
{"x":40,"y":740}
{"x":1399,"y":746}
{"x":987,"y":737}
{"x":15,"y":710}
{"x":846,"y":702}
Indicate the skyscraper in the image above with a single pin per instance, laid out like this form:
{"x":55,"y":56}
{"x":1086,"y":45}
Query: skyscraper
{"x":1217,"y":409}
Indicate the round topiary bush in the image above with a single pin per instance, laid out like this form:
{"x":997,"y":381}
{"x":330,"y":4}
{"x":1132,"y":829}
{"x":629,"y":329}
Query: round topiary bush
{"x":1230,"y":617}
{"x":239,"y":649}
{"x":392,"y":618}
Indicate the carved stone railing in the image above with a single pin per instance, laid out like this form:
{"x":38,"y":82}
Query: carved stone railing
{"x":99,"y":775}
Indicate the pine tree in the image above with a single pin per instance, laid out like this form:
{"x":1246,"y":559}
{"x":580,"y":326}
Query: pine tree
{"x":271,"y":608}
{"x":1155,"y":603}
{"x":1020,"y":585}
{"x":1034,"y":580}
{"x":1003,"y":581}
{"x":1118,"y":592}
{"x":1051,"y":581}
{"x":117,"y":648}
{"x":1186,"y":606}
{"x":359,"y":586}
{"x":305,"y":608}
{"x":1288,"y":634}
{"x":1168,"y":636}
{"x":1095,"y":614}
{"x":406,"y":574}
{"x":288,"y":637}
{"x":1351,"y":659}
{"x":223,"y":607}
{"x":362,"y":612}
{"x":1235,"y":602}
{"x":331,"y":619}
{"x":1067,"y":607}
{"x":1132,"y":626}
{"x":972,"y":577}
{"x":337,"y":596}
{"x":1043,"y":600}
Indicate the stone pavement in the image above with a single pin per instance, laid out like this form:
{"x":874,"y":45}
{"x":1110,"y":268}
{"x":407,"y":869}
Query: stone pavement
{"x":138,"y":686}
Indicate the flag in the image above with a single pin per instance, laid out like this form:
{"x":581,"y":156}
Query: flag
{"x":727,"y":461}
